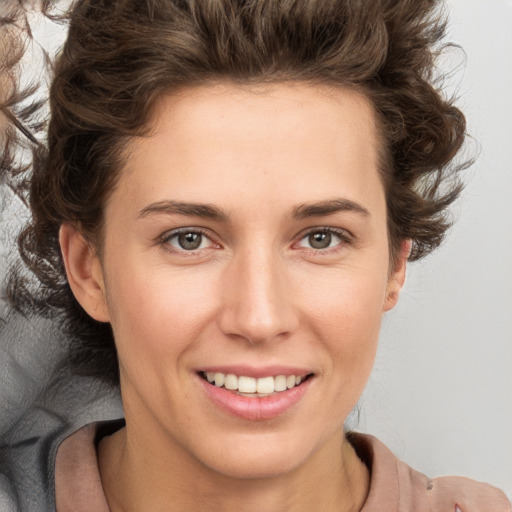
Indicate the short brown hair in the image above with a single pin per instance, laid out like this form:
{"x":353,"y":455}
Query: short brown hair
{"x":122,"y":55}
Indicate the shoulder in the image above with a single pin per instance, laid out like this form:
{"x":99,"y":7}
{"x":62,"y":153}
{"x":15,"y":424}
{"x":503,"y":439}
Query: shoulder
{"x":77,"y":478}
{"x":396,"y":487}
{"x":468,"y":495}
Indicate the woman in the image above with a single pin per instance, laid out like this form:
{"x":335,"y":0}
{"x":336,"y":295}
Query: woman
{"x":232,"y":191}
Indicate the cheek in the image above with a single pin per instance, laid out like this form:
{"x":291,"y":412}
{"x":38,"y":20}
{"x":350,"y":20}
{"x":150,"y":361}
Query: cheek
{"x":345,"y":300}
{"x":345,"y":315}
{"x":156,"y":314}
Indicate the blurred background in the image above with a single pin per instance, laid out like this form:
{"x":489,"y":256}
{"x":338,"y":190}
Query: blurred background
{"x":441,"y":392}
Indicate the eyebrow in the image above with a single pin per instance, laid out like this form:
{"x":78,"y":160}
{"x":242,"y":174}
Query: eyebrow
{"x":329,"y":207}
{"x":209,"y":211}
{"x":176,"y":207}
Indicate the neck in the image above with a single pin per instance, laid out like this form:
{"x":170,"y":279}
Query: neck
{"x":332,"y":479}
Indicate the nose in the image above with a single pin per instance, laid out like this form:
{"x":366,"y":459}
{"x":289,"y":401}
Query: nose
{"x":257,"y":301}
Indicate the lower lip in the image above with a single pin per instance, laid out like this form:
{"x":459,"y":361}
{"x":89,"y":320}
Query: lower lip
{"x":257,"y":408}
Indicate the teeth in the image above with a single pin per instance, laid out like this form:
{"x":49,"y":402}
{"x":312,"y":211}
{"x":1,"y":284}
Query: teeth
{"x":265,"y":385}
{"x":231,"y":381}
{"x":246,"y":384}
{"x":280,"y":383}
{"x":219,"y":379}
{"x":249,"y":386}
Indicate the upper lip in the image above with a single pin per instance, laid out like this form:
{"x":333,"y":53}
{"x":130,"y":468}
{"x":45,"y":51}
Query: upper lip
{"x":257,"y":371}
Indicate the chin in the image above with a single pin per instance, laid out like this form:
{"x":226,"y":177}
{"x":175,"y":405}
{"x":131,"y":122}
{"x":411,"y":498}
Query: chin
{"x":252,"y":458}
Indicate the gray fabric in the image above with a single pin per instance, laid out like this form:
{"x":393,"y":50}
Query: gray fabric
{"x":38,"y":413}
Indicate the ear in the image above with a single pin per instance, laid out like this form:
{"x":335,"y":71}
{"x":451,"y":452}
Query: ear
{"x":84,"y":272}
{"x":397,"y":277}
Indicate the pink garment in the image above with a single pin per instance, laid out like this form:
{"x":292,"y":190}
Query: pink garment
{"x":394,"y":486}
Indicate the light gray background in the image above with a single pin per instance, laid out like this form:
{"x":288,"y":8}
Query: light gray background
{"x":441,"y":392}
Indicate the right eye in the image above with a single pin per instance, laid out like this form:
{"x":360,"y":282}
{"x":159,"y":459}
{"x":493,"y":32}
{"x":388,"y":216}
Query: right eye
{"x":187,"y":240}
{"x":324,"y":240}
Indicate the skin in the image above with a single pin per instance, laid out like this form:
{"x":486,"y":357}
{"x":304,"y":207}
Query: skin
{"x":256,"y":292}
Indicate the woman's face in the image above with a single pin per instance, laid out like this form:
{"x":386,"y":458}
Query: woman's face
{"x":247,"y":237}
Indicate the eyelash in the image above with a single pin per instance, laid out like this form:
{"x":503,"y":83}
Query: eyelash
{"x":166,"y":238}
{"x":344,"y":239}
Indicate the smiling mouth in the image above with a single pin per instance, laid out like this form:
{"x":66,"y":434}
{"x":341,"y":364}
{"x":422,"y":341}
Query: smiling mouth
{"x":254,"y":387}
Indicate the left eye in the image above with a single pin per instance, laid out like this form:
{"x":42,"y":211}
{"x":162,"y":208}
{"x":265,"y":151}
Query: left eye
{"x":188,"y":241}
{"x":321,"y":239}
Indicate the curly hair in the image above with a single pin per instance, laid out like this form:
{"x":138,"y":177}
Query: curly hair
{"x":121,"y":56}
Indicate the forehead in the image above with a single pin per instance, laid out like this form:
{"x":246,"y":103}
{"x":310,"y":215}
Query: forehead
{"x":294,"y":109}
{"x":297,"y":140}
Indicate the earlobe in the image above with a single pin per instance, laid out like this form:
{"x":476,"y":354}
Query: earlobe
{"x":397,"y":277}
{"x":84,"y":272}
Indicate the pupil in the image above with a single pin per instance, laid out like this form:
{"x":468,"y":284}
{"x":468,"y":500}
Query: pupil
{"x":190,"y":241}
{"x":320,"y":240}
